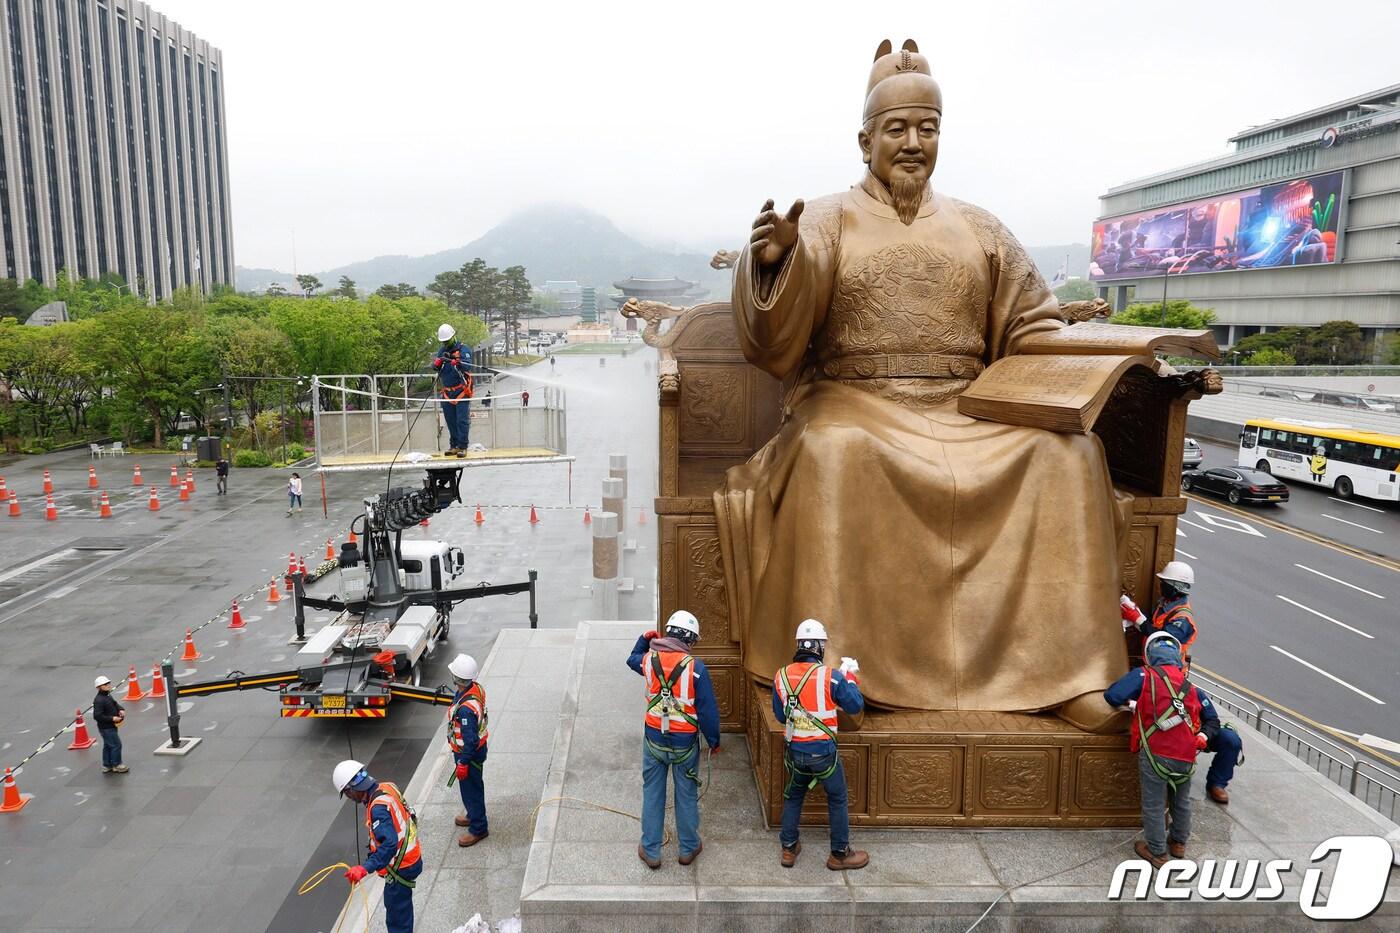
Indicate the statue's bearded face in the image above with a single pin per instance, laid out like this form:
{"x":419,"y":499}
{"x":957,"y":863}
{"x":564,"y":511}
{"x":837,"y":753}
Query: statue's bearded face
{"x":902,"y":144}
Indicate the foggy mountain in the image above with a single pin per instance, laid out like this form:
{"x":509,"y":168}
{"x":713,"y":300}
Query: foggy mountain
{"x":563,"y":242}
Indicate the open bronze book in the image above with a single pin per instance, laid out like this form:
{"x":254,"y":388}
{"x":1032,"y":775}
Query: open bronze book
{"x":1061,"y":381}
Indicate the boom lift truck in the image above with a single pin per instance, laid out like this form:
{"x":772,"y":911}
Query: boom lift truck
{"x":394,"y":609}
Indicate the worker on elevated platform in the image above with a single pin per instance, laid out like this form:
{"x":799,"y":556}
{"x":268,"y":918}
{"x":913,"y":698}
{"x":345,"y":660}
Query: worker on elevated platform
{"x":1173,"y":615}
{"x":466,"y":738}
{"x":394,"y":853}
{"x":806,"y":694}
{"x":454,"y":366}
{"x":680,"y":708}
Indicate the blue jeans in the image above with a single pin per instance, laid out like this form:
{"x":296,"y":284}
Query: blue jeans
{"x":1157,"y":795}
{"x":1226,"y":745}
{"x":293,"y":501}
{"x":398,"y":906}
{"x":834,"y":784}
{"x":654,"y":801}
{"x":473,"y":790}
{"x":458,"y":416}
{"x":111,"y":746}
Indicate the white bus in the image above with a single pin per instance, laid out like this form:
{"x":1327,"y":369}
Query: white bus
{"x":1330,"y":456}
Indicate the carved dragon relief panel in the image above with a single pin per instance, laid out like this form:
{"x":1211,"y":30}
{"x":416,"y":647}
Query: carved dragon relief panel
{"x":715,"y":405}
{"x":1106,"y":780}
{"x":923,"y":778}
{"x":1018,"y":779}
{"x":702,"y":582}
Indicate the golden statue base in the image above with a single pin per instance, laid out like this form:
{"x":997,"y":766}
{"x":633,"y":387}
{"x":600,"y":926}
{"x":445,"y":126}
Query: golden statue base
{"x":975,"y":769}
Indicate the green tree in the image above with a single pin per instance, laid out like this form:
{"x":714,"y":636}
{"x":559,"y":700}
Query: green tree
{"x":1181,"y":314}
{"x":275,"y":290}
{"x":153,"y":360}
{"x":1391,"y":355}
{"x":309,"y":284}
{"x":515,"y":294}
{"x":246,"y":346}
{"x":1076,"y":290}
{"x":395,"y":292}
{"x":327,"y":336}
{"x":346,"y":288}
{"x":1334,"y":343}
{"x":1270,"y":356}
{"x":11,"y":300}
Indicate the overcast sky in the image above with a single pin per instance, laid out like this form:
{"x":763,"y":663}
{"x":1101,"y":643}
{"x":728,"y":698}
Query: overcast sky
{"x":416,"y":125}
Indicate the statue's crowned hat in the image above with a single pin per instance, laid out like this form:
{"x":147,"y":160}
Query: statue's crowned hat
{"x":900,"y":79}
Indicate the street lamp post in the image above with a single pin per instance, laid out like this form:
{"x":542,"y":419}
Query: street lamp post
{"x":1166,"y":273}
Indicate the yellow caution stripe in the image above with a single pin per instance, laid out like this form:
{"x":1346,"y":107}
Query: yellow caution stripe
{"x":306,"y":712}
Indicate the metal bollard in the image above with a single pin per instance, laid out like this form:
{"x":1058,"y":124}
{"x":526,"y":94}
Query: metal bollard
{"x":605,"y":566}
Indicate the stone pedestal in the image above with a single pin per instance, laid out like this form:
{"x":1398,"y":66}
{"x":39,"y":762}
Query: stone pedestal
{"x":959,"y":769}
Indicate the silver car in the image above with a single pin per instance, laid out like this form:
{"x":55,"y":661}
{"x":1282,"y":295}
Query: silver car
{"x":1192,"y":456}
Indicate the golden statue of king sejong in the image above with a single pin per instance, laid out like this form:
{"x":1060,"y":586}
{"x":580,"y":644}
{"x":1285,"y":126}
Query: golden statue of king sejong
{"x":969,"y":565}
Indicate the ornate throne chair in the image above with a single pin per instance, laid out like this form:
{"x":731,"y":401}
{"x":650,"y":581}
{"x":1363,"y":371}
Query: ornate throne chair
{"x":910,"y":768}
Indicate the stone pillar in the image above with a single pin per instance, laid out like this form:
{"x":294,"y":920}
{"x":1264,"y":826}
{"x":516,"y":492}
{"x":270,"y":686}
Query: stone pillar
{"x":617,"y":469}
{"x":605,"y":566}
{"x":615,"y":498}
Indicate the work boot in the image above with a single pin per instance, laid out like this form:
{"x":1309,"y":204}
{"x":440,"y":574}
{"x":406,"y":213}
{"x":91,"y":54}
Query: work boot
{"x":452,"y":452}
{"x":1219,"y":794}
{"x":790,"y":855}
{"x":468,"y":839}
{"x":691,"y":856}
{"x":106,"y":770}
{"x":652,"y":863}
{"x":1144,"y":853}
{"x":120,"y":769}
{"x":462,"y":821}
{"x":850,"y":860}
{"x":1176,"y":849}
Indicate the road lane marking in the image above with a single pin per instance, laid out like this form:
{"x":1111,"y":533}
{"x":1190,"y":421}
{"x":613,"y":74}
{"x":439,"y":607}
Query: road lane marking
{"x":1233,"y":524}
{"x":1328,"y":576}
{"x":1332,"y":677}
{"x":1184,"y":554}
{"x":1321,"y":616}
{"x":1370,"y":508}
{"x":1353,"y":524}
{"x":1312,"y":537}
{"x":1375,"y":741}
{"x":1194,"y":525}
{"x":1180,"y":533}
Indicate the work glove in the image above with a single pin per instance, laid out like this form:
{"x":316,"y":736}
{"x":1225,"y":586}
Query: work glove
{"x":462,"y":771}
{"x":1132,"y":615}
{"x":437,"y":363}
{"x":356,"y":874}
{"x":648,"y":636}
{"x":1202,"y":740}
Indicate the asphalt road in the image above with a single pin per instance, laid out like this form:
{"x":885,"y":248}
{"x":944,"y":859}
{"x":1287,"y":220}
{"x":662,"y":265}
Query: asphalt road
{"x":1362,"y":523}
{"x":220,"y":839}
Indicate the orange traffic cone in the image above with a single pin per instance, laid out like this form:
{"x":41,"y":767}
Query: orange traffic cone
{"x":189,"y":479}
{"x":184,"y":491}
{"x":479,"y":517}
{"x":106,"y":506}
{"x":174,"y":476}
{"x":4,"y":493}
{"x":81,"y":739}
{"x":154,"y":504}
{"x":136,"y":479}
{"x":587,"y":518}
{"x":92,"y":477}
{"x":330,"y":550}
{"x":157,"y":684}
{"x":50,"y":513}
{"x":133,"y":686}
{"x":191,"y":652}
{"x":14,"y":506}
{"x":641,"y":515}
{"x":353,"y":538}
{"x":14,"y":800}
{"x":301,"y":566}
{"x":235,"y":619}
{"x":48,"y":483}
{"x":291,"y":567}
{"x":272,"y":595}
{"x":534,"y":519}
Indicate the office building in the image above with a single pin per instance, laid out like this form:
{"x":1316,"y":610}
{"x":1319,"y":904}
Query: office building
{"x":1298,"y":225}
{"x":113,"y":147}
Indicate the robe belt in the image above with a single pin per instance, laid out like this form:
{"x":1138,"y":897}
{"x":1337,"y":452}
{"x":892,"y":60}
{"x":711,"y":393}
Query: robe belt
{"x":903,"y":365}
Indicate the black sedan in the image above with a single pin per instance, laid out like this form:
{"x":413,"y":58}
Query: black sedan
{"x":1236,"y":484}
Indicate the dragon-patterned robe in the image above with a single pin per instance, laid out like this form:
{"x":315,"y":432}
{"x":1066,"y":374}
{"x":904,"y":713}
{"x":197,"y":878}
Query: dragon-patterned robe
{"x":967,"y":565}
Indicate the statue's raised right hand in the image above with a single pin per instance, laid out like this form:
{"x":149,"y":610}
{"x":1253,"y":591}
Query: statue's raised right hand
{"x":773,"y":234}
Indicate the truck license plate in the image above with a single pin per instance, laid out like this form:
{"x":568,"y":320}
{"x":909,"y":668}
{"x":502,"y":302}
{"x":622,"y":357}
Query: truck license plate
{"x":333,"y":702}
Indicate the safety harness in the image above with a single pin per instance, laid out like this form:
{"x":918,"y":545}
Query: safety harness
{"x":793,"y":709}
{"x":1173,"y":716}
{"x":407,"y":840}
{"x":664,"y":706}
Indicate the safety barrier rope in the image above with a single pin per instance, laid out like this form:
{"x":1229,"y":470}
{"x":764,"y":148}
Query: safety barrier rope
{"x":314,"y":881}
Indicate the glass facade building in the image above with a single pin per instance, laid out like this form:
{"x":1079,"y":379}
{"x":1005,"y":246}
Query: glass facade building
{"x":112,"y":147}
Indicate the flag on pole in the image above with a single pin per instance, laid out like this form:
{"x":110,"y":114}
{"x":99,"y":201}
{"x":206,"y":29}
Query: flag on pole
{"x":1062,"y":276}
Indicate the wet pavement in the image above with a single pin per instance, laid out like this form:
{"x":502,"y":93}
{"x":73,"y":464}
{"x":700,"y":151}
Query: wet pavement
{"x":222,"y":838}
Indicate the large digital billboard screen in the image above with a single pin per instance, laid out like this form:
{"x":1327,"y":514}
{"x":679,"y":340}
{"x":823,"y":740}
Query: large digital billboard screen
{"x":1292,"y":223}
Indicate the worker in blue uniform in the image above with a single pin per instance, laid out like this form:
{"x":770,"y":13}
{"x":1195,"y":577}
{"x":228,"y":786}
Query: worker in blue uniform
{"x":467,"y":733}
{"x":454,"y":367}
{"x":394,"y":852}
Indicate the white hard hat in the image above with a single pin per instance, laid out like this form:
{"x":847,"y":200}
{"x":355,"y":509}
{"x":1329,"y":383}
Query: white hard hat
{"x":447,"y":332}
{"x":811,"y":630}
{"x":463,"y":667}
{"x":102,"y":681}
{"x":345,"y":773}
{"x":1160,"y":636}
{"x":1178,"y":571}
{"x":684,"y":620}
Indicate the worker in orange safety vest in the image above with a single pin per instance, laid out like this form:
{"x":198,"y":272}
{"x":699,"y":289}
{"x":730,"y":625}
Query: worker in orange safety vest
{"x":467,"y":733}
{"x":394,"y":852}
